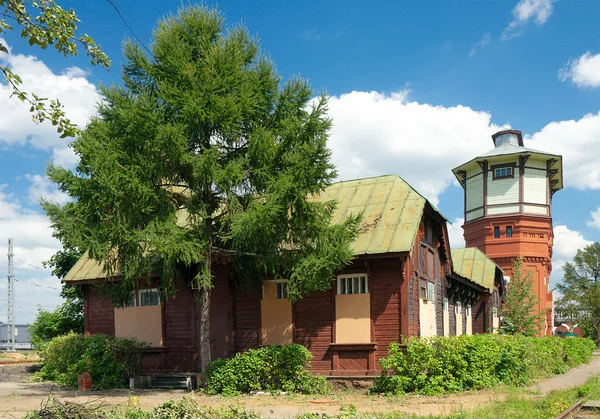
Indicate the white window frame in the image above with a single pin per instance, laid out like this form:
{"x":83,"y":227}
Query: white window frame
{"x":145,"y":291}
{"x":133,"y":300}
{"x":355,"y":280}
{"x":468,"y":309}
{"x":283,"y":289}
{"x":446,"y":304}
{"x":458,"y":308}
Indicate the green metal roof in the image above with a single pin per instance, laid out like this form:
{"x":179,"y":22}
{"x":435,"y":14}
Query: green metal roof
{"x":391,"y":210}
{"x":390,"y":207}
{"x":473,"y":264}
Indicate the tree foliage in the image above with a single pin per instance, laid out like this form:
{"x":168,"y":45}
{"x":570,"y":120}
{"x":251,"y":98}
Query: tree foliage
{"x":580,"y":288}
{"x":68,"y":317}
{"x":49,"y":24}
{"x":204,"y":151}
{"x":519,"y":312}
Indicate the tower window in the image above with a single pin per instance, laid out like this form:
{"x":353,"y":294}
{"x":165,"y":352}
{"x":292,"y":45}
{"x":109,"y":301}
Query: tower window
{"x":503,"y":172}
{"x":496,"y":232}
{"x":508,"y":231}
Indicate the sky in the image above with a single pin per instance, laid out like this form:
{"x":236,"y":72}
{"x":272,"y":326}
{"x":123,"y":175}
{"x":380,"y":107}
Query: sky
{"x":415,"y":89}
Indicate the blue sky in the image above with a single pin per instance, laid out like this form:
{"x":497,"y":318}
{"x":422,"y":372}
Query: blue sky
{"x":416,"y":88}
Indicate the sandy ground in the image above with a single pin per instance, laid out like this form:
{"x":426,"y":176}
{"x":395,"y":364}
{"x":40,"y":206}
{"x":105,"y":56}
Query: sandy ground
{"x":18,"y":396}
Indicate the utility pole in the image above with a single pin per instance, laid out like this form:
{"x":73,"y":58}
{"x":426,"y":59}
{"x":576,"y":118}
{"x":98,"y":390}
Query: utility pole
{"x":10,"y":321}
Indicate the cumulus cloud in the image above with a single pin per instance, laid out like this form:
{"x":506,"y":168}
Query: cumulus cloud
{"x":375,"y":134}
{"x":595,"y":221}
{"x":523,"y":12}
{"x":32,"y":244}
{"x":577,"y":142}
{"x":42,"y":188}
{"x":566,"y":244}
{"x":583,"y":71}
{"x":455,"y":233}
{"x":78,"y":95}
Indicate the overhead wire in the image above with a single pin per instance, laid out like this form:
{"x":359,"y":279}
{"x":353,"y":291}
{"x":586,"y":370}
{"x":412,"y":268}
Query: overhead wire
{"x":128,"y":27}
{"x":33,"y":266}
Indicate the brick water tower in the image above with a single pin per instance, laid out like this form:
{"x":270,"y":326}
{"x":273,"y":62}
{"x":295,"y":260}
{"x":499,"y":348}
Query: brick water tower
{"x":508,"y":209}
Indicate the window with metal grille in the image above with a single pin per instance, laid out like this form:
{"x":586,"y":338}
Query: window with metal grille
{"x":353,"y":284}
{"x":149,"y":297}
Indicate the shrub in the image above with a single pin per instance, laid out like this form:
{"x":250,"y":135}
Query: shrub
{"x":271,"y":368}
{"x":109,"y":360}
{"x":447,"y":364}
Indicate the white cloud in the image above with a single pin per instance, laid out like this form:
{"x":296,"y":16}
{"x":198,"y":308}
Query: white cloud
{"x":33,"y":243}
{"x":583,"y":71}
{"x":566,"y":244}
{"x":456,"y":233}
{"x":42,"y":188}
{"x":523,"y":12}
{"x":485,"y":40}
{"x":595,"y":221}
{"x":375,"y":134}
{"x":71,"y":88}
{"x":577,"y":142}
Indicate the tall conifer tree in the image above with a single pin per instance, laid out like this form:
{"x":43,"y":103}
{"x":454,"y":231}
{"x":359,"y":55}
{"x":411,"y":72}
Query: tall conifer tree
{"x":204,"y":151}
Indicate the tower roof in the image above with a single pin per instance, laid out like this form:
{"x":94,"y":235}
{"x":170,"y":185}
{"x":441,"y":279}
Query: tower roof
{"x":509,"y":143}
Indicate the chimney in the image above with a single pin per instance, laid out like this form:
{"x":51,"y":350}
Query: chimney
{"x":510,"y":136}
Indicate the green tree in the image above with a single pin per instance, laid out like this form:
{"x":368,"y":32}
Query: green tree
{"x":580,"y":288}
{"x":49,"y":24}
{"x":204,"y":153}
{"x":519,"y":312}
{"x":69,"y":316}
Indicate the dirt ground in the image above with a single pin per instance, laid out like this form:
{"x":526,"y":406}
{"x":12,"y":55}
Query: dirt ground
{"x":18,"y":395}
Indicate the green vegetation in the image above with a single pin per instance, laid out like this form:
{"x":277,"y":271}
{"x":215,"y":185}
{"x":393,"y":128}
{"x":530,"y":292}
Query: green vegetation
{"x":448,"y":364}
{"x":49,"y":25}
{"x":109,"y":360}
{"x":581,"y":290}
{"x":273,"y":368}
{"x":516,"y":406}
{"x":68,"y":318}
{"x":204,"y":150}
{"x":519,"y":311}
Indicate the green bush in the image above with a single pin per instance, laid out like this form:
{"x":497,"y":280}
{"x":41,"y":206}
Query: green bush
{"x":448,"y":364}
{"x":271,"y":368}
{"x":109,"y":360}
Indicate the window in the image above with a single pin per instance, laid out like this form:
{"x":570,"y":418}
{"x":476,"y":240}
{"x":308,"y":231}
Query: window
{"x":468,"y":308}
{"x":496,"y":232}
{"x":131,"y":302}
{"x":282,"y":290}
{"x":503,"y":172}
{"x":445,"y":303}
{"x":427,"y":290}
{"x":457,"y":307}
{"x":508,"y":231}
{"x":149,"y":297}
{"x":353,"y":284}
{"x":431,"y":291}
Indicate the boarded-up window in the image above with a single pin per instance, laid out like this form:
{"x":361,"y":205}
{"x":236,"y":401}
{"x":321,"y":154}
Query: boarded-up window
{"x":276,"y":314}
{"x":353,"y":309}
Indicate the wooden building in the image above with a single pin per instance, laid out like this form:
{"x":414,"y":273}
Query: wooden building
{"x":401,"y":284}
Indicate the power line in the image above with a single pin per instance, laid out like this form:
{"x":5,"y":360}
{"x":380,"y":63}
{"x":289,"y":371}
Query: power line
{"x":128,"y":27}
{"x":33,"y":283}
{"x":33,"y":266}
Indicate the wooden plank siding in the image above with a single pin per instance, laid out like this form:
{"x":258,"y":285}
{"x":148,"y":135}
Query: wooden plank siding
{"x":314,"y":323}
{"x":478,"y":311}
{"x":385,"y":282}
{"x":100,"y":312}
{"x":246,"y":317}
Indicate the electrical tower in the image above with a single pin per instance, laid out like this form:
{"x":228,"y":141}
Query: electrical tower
{"x":10,"y":321}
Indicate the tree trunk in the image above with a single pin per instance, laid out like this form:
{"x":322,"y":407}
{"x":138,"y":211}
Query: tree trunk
{"x":204,"y":330}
